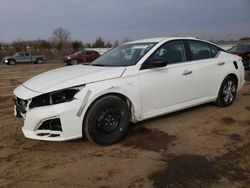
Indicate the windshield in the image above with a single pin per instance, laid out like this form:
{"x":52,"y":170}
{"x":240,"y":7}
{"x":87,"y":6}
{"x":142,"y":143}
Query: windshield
{"x":124,"y":55}
{"x":240,"y":47}
{"x":77,"y":53}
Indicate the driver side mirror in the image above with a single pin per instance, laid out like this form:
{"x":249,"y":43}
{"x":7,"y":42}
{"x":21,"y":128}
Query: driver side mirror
{"x":154,"y":63}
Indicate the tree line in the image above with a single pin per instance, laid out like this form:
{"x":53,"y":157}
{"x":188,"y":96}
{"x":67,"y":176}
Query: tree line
{"x":58,"y":45}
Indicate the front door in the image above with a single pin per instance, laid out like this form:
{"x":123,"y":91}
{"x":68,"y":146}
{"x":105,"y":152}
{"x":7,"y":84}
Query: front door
{"x":170,"y":86}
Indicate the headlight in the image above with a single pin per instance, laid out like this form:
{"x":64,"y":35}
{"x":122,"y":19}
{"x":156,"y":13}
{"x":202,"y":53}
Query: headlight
{"x":55,"y":97}
{"x":68,"y":57}
{"x":6,"y":60}
{"x":63,"y":96}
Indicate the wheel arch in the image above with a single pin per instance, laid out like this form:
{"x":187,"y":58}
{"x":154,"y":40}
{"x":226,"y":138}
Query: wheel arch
{"x":235,"y":77}
{"x":131,"y":108}
{"x":11,"y":59}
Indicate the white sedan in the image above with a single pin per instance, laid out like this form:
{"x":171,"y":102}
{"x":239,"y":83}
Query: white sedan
{"x":133,"y":82}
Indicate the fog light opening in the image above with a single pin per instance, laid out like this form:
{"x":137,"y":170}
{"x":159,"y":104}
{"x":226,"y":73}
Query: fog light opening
{"x":51,"y":124}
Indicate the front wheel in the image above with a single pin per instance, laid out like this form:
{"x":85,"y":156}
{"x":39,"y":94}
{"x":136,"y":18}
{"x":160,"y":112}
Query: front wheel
{"x":227,"y":92}
{"x":11,"y":62}
{"x":107,"y":120}
{"x":73,"y":62}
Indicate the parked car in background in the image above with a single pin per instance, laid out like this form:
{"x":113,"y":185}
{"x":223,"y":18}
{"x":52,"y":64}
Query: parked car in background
{"x":84,"y":56}
{"x":21,"y":57}
{"x":242,"y":50}
{"x":133,"y":82}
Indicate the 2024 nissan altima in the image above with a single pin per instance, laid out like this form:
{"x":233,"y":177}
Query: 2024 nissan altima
{"x":133,"y":82}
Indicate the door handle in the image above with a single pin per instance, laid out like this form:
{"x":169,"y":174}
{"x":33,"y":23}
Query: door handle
{"x":187,"y":72}
{"x":221,"y":63}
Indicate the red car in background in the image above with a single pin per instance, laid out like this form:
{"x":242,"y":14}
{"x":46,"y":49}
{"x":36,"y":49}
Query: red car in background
{"x":84,"y":56}
{"x":242,"y":50}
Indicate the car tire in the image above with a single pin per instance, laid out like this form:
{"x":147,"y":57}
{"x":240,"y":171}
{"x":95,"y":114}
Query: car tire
{"x":39,"y":61}
{"x":227,"y":93}
{"x":11,"y":62}
{"x":107,"y":120}
{"x":73,"y":62}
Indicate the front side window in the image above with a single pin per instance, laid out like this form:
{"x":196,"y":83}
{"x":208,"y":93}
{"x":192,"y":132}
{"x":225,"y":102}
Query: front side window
{"x":200,"y":50}
{"x":77,"y":53}
{"x":21,"y":54}
{"x":171,"y":52}
{"x":124,"y":55}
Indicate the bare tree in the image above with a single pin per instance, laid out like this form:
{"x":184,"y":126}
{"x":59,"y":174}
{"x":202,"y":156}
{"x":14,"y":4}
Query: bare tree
{"x":108,"y":44}
{"x":99,"y":43}
{"x":126,"y":39}
{"x":19,"y":45}
{"x":77,"y":45}
{"x":116,"y":43}
{"x":61,"y":36}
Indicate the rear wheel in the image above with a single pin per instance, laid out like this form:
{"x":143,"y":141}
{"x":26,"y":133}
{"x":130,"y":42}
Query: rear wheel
{"x":107,"y":120}
{"x":38,"y":61}
{"x":227,"y":92}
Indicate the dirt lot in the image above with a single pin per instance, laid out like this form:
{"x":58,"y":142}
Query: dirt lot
{"x":205,"y":146}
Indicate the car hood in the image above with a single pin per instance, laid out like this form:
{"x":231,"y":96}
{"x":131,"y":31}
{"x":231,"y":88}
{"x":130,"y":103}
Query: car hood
{"x":71,"y":56}
{"x":71,"y":76}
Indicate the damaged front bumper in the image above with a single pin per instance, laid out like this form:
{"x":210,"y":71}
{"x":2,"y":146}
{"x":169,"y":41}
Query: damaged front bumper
{"x":58,"y":122}
{"x":53,"y":123}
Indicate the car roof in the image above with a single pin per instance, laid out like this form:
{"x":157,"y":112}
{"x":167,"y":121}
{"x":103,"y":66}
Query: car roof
{"x":165,"y":39}
{"x":159,"y":39}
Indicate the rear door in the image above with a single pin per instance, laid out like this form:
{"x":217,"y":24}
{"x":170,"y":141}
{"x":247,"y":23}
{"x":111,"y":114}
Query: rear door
{"x":208,"y":68}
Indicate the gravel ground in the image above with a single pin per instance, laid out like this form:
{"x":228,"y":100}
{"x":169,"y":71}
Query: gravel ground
{"x":205,"y":146}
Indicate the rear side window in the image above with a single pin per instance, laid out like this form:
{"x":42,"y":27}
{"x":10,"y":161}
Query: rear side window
{"x":214,"y":50}
{"x":201,"y":50}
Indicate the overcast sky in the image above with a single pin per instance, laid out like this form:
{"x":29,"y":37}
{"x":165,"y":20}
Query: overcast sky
{"x":116,"y":19}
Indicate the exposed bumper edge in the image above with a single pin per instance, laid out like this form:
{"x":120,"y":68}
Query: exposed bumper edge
{"x":84,"y":102}
{"x":32,"y":135}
